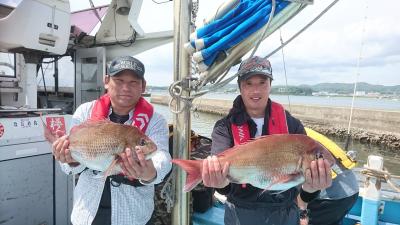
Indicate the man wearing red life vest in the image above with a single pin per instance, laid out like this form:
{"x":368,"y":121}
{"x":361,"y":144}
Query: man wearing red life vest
{"x":253,"y":114}
{"x":128,"y":198}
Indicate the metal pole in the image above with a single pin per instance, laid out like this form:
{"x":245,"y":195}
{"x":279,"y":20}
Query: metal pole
{"x":30,"y":86}
{"x":372,"y":193}
{"x":180,"y":213}
{"x":56,"y":76}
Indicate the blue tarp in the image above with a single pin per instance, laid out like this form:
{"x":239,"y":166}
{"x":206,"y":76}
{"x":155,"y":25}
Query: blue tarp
{"x":227,"y":23}
{"x":232,"y":28}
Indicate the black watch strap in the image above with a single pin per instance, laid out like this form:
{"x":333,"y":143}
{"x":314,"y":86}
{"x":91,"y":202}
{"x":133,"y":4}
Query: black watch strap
{"x":308,"y":197}
{"x":304,"y":213}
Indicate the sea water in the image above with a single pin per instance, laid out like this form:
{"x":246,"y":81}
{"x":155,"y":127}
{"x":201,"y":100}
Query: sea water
{"x":203,"y":123}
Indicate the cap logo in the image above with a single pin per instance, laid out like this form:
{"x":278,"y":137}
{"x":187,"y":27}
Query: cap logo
{"x":127,"y":65}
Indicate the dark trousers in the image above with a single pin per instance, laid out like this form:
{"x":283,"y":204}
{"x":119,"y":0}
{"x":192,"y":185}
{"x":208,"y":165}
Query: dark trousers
{"x":103,"y":215}
{"x":330,"y":212}
{"x":287,"y":215}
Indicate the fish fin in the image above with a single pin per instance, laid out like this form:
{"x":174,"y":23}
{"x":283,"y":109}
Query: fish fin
{"x":299,"y":164}
{"x":277,"y":192}
{"x":227,"y":151}
{"x":282,"y":179}
{"x":110,"y":170}
{"x":297,"y":179}
{"x":232,"y":180}
{"x":50,"y":137}
{"x":193,"y":170}
{"x":74,"y":128}
{"x":90,"y":123}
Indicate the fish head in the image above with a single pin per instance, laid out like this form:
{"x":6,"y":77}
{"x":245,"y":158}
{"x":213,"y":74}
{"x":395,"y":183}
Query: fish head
{"x":134,"y":137}
{"x":147,"y":146}
{"x":322,"y":152}
{"x":317,"y":151}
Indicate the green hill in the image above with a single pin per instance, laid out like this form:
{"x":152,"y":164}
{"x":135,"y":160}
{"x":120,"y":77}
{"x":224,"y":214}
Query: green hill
{"x":339,"y":88}
{"x":343,"y":88}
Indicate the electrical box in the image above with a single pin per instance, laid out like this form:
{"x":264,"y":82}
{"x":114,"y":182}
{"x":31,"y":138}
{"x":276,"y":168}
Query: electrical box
{"x":33,"y":189}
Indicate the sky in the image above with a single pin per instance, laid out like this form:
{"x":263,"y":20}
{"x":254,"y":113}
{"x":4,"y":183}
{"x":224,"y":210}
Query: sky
{"x":353,"y":30}
{"x":328,"y":51}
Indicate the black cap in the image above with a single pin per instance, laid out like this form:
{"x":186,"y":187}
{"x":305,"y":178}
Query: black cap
{"x":254,"y":66}
{"x":126,"y":63}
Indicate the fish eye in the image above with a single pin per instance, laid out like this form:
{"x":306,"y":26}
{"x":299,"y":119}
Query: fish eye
{"x":319,"y":155}
{"x":142,"y":142}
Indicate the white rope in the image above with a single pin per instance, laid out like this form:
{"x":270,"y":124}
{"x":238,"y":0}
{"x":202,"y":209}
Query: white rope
{"x":303,"y":29}
{"x":175,"y":91}
{"x":381,"y":175}
{"x":195,"y":10}
{"x":271,"y":15}
{"x":166,"y":191}
{"x":177,"y":94}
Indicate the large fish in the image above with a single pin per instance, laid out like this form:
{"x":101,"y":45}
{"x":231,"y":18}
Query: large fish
{"x":272,"y":162}
{"x":96,"y":144}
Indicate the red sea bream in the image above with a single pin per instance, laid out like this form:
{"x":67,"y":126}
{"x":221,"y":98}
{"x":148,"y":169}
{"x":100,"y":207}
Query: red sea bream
{"x":273,"y":162}
{"x":96,"y":144}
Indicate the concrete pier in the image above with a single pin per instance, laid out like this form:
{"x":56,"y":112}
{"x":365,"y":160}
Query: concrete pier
{"x":368,"y":126}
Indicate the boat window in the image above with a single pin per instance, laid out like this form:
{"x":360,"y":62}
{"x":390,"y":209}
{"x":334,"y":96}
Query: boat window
{"x":7,"y":64}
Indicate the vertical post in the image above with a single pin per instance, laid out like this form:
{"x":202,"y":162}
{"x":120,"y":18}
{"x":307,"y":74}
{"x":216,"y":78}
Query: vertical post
{"x":180,"y":214}
{"x":372,"y":194}
{"x":30,"y":88}
{"x":56,"y":76}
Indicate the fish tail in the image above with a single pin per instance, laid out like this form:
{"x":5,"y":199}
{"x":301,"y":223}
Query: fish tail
{"x":50,"y":137}
{"x":193,"y":170}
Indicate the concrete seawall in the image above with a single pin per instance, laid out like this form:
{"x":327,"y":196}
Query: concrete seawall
{"x":368,"y":126}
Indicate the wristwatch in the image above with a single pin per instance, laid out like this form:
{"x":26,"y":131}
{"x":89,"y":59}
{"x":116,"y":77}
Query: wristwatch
{"x":149,"y":181}
{"x":303,"y":213}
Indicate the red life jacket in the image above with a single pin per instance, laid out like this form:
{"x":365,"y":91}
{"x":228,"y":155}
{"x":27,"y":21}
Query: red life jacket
{"x":277,"y":125}
{"x":141,"y":116}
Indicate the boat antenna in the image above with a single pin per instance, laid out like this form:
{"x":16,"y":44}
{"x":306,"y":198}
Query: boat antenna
{"x":284,"y":69}
{"x":356,"y":79}
{"x":95,"y":11}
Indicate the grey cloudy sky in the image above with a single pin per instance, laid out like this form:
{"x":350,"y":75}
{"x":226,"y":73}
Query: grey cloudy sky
{"x":327,"y":52}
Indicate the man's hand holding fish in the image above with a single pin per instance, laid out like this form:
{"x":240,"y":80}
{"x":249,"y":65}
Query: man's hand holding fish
{"x":135,"y":165}
{"x":213,"y":174}
{"x":61,"y":151}
{"x":318,"y":176}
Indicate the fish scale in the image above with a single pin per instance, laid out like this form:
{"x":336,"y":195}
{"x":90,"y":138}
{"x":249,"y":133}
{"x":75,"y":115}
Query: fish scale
{"x":272,"y":162}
